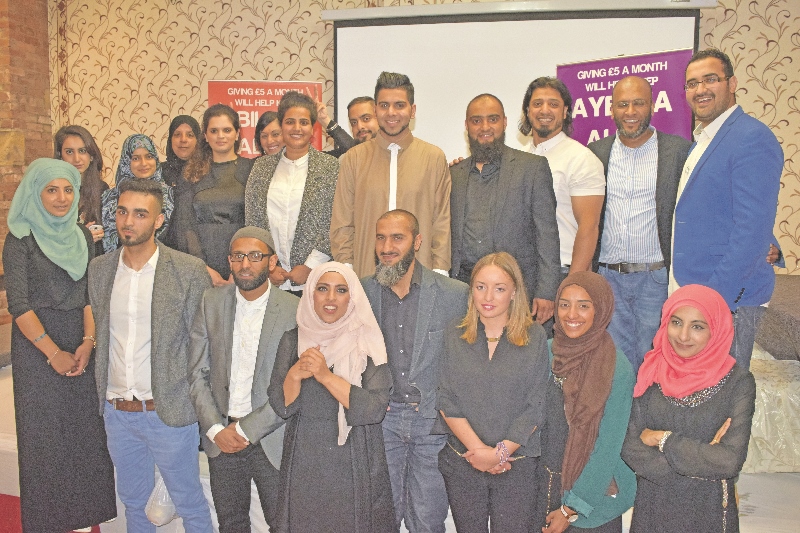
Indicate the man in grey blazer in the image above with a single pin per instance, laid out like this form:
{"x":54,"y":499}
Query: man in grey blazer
{"x":232,"y":348}
{"x":502,"y":200}
{"x":144,"y":297}
{"x":413,"y":306}
{"x":642,"y":169}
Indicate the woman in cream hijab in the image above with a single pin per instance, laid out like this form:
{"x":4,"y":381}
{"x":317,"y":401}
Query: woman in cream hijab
{"x":331,"y":382}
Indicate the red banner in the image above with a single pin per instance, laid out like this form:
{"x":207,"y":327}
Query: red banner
{"x":252,"y":98}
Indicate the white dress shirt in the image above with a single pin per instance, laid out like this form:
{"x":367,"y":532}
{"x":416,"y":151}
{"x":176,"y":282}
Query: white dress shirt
{"x":284,"y":198}
{"x":576,"y":172}
{"x":703,"y":137}
{"x":246,"y":335}
{"x":130,"y":331}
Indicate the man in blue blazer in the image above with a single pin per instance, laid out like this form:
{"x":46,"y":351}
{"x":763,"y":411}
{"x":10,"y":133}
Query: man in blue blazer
{"x":727,"y":199}
{"x":413,"y":306}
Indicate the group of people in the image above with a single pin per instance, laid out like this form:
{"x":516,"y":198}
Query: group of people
{"x":377,"y":338}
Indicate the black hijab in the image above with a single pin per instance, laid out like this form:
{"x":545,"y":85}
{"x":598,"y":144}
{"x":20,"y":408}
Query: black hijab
{"x":172,"y":169}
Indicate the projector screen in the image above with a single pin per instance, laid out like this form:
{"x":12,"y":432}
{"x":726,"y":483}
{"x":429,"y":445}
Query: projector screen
{"x":449,"y":62}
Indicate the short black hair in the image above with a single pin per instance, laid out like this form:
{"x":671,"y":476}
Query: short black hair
{"x":414,"y":223}
{"x":266,"y":118}
{"x":525,"y":126}
{"x":147,"y":187}
{"x":360,"y":100}
{"x":297,"y":99}
{"x":727,"y":66}
{"x":393,"y":80}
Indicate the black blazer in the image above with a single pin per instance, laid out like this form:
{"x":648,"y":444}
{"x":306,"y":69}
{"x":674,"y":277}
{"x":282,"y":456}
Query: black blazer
{"x":524,"y":225}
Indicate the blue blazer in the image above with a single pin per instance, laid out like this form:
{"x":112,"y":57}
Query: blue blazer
{"x":725,"y":216}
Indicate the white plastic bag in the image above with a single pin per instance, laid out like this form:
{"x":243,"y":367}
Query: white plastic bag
{"x":159,"y":509}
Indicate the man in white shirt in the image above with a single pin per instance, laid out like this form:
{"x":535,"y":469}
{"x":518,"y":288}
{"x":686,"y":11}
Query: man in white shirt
{"x":232,"y":348}
{"x":578,"y":179}
{"x":144,"y":296}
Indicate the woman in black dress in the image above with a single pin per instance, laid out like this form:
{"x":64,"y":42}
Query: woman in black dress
{"x":334,"y":476}
{"x":76,"y":146}
{"x":491,"y":396}
{"x":210,"y":197}
{"x":65,"y":473}
{"x":690,"y":423}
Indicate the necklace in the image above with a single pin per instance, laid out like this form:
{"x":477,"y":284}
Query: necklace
{"x":495,"y":339}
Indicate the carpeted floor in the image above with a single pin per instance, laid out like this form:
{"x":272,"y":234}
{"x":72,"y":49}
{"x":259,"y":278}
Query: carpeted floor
{"x":9,"y":515}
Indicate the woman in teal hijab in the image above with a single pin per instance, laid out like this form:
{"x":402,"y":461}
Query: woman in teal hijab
{"x":66,"y":477}
{"x":139,"y":160}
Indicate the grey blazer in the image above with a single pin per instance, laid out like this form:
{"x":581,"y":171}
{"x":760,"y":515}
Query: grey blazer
{"x":210,"y":347}
{"x":441,"y":301}
{"x":180,"y":280}
{"x":314,"y":222}
{"x":524,"y":219}
{"x":672,"y":153}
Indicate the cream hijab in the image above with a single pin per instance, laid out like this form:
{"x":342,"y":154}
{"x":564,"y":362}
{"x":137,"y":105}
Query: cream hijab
{"x":348,"y":342}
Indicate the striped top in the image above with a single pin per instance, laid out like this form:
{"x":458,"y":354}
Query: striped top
{"x":630,"y":233}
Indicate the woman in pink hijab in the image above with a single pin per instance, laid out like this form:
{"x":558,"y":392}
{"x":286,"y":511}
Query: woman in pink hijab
{"x":331,"y":382}
{"x":690,"y":423}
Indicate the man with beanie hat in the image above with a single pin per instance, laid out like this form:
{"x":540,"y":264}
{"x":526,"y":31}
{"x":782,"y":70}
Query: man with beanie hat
{"x":232,"y":348}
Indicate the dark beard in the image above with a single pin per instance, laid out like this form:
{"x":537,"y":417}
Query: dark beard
{"x":250,"y":285}
{"x":135,"y":241}
{"x":487,"y":153}
{"x":639,"y":131}
{"x":389,"y":275}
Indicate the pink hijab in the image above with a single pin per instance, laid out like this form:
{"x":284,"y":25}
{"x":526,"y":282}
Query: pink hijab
{"x":348,"y":342}
{"x":681,"y":377}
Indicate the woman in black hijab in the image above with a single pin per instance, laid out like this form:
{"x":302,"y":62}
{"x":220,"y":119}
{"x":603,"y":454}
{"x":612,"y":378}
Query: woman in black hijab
{"x":183,"y":134}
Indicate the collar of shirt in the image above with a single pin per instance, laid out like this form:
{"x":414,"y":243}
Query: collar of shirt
{"x":711,"y":130}
{"x":488,"y":170}
{"x":404,"y":140}
{"x":296,"y":163}
{"x":649,"y":142}
{"x":254,"y":305}
{"x":549,"y":144}
{"x":151,"y":263}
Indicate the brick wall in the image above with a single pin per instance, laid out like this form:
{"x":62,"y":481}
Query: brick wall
{"x":25,"y":125}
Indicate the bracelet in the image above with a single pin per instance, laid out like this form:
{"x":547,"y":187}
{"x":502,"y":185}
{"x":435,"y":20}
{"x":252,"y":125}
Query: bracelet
{"x":91,"y":338}
{"x":51,"y":357}
{"x":40,"y":337}
{"x":502,"y":451}
{"x":663,"y":440}
{"x":332,"y":125}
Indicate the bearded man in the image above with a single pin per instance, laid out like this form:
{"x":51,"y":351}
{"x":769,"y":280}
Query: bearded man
{"x":232,"y":347}
{"x":502,"y":200}
{"x":413,"y":305}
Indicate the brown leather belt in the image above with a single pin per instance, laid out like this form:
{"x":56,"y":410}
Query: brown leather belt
{"x":630,"y":268}
{"x":133,"y":406}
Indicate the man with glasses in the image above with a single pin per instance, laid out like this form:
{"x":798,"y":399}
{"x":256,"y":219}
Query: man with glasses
{"x":642,"y":168}
{"x":727,"y":200}
{"x":232,"y":348}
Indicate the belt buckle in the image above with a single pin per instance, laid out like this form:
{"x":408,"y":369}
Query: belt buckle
{"x":114,"y":403}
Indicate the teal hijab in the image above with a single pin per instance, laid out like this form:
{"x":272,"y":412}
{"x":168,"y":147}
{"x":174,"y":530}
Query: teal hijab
{"x":60,"y":238}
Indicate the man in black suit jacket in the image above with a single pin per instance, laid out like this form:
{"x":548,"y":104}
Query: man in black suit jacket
{"x":635,"y":241}
{"x":502,"y":200}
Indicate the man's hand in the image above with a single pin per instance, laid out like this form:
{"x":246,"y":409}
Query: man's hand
{"x":322,"y":115}
{"x":456,"y":161}
{"x":774,"y":254}
{"x":299,"y":274}
{"x":542,"y":310}
{"x":229,"y":440}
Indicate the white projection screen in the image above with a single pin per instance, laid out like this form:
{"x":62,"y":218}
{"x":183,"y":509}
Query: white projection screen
{"x":450,"y":61}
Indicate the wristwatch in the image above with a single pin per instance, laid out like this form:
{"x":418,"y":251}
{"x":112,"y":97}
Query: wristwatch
{"x":570,"y":517}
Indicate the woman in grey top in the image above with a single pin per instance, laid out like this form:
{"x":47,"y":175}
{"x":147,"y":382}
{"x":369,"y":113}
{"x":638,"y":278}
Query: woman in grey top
{"x":491,"y":396}
{"x":290,"y":194}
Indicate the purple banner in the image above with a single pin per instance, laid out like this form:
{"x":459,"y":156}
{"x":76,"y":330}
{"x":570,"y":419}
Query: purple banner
{"x":591,"y":84}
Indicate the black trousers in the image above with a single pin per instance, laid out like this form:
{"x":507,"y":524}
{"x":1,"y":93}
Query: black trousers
{"x":230,"y":487}
{"x":475,"y":497}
